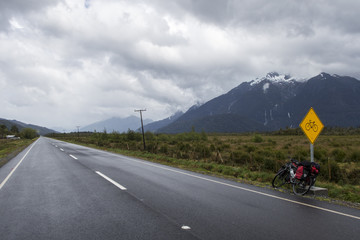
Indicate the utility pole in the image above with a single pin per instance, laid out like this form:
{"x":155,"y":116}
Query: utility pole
{"x":78,"y":131}
{"x":142,"y":125}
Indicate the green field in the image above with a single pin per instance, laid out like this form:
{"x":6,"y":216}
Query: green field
{"x":253,"y":158}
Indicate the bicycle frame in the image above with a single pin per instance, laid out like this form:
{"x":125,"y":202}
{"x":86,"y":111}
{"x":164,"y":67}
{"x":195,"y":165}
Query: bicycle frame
{"x":286,"y":175}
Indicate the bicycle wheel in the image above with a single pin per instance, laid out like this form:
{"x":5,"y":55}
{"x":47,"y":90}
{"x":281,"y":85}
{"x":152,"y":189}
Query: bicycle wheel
{"x":301,"y":187}
{"x":315,"y":128}
{"x":280,"y":178}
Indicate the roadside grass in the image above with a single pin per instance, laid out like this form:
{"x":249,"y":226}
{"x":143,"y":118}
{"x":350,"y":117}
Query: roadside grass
{"x":249,"y":158}
{"x":10,"y":148}
{"x":340,"y":194}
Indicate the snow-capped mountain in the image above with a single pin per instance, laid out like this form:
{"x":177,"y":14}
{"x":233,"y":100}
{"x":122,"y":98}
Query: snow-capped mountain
{"x":275,"y":77}
{"x":276,"y":101}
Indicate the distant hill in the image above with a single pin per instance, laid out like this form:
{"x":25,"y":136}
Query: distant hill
{"x":273,"y":102}
{"x":116,"y":124}
{"x":21,"y":125}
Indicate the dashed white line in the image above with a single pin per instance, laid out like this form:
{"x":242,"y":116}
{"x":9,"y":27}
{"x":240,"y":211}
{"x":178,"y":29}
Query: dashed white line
{"x":61,"y":149}
{"x":73,"y":156}
{"x":185,"y":227}
{"x":112,"y":181}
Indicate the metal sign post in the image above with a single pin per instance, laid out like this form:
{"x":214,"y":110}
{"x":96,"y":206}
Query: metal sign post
{"x":312,"y":152}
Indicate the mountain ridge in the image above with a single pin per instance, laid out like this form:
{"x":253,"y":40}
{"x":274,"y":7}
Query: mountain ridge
{"x":277,"y":101}
{"x":20,"y":125}
{"x":116,"y":124}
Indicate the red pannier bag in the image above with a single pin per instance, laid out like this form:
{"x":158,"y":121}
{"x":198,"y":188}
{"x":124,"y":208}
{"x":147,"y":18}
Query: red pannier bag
{"x":299,"y":172}
{"x":315,"y":168}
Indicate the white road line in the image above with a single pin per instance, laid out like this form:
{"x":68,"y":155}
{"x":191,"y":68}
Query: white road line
{"x":112,"y":181}
{"x":249,"y":190}
{"x":61,"y":149}
{"x":73,"y":157}
{"x":17,"y":165}
{"x":185,"y":227}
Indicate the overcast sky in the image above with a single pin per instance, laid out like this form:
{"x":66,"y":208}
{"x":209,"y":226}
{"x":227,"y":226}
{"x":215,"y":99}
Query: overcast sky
{"x":67,"y":63}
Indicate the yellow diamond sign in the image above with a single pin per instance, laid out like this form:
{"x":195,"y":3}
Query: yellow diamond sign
{"x":311,"y":125}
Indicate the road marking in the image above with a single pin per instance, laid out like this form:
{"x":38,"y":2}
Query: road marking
{"x":61,"y":149}
{"x":17,"y":165}
{"x":186,"y":227}
{"x":230,"y":185}
{"x":249,"y":190}
{"x":73,"y":157}
{"x":112,"y":181}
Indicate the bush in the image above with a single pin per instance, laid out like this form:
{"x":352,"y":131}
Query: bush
{"x":320,"y":154}
{"x":133,"y":136}
{"x":258,"y":139}
{"x":250,"y":148}
{"x":270,"y":164}
{"x":339,"y":155}
{"x":149,"y":136}
{"x":355,"y":156}
{"x":164,"y":149}
{"x":354,"y":177}
{"x":240,"y":157}
{"x":202,"y":150}
{"x":152,"y":147}
{"x":301,"y":154}
{"x":29,"y":133}
{"x":335,"y":172}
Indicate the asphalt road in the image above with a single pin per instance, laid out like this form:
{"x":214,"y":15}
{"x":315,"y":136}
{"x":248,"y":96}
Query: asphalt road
{"x":57,"y":190}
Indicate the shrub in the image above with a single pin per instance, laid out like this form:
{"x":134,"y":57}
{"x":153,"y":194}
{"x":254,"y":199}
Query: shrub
{"x":301,"y":154}
{"x":240,"y":157}
{"x":335,"y":172}
{"x":320,"y":154}
{"x":164,"y":149}
{"x":149,"y":135}
{"x":202,"y":150}
{"x":257,"y":139}
{"x":270,"y":164}
{"x":152,"y":147}
{"x":339,"y":155}
{"x":131,"y":135}
{"x":280,"y":155}
{"x":354,"y":176}
{"x":271,"y":142}
{"x":355,"y":156}
{"x":250,"y":148}
{"x":29,"y":133}
{"x":287,"y":146}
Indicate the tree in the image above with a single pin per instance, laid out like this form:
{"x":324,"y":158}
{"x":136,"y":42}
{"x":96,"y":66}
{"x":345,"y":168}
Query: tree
{"x":14,"y":129}
{"x":29,"y":133}
{"x":3,"y":131}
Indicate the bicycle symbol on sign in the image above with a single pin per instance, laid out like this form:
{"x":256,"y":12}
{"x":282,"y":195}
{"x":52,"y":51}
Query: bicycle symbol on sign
{"x":311,"y":125}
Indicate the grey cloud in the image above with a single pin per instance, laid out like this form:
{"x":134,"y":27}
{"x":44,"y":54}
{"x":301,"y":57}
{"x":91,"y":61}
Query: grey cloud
{"x":163,"y":55}
{"x":16,"y":8}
